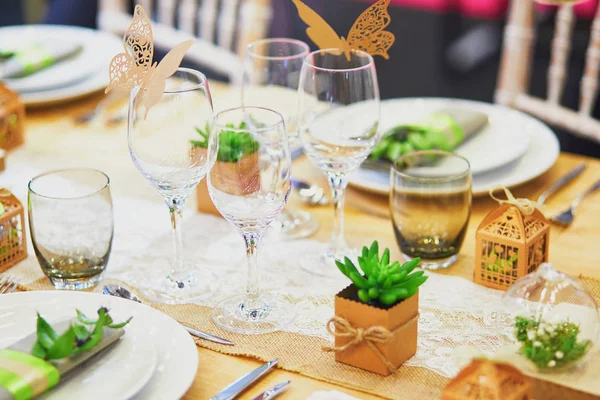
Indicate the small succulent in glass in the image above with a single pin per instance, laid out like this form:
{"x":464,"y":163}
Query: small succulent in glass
{"x":382,"y":283}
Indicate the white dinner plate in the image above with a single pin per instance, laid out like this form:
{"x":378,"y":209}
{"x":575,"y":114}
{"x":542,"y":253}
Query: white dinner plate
{"x":155,"y":359}
{"x":540,"y":154}
{"x":98,"y":50}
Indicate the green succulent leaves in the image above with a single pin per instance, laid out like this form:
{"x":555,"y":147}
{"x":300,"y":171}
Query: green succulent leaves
{"x":77,"y":339}
{"x":233,"y":145}
{"x":382,"y":281}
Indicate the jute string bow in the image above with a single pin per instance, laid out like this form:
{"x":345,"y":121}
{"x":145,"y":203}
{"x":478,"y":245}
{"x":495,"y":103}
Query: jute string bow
{"x":526,"y":206}
{"x":340,"y":327}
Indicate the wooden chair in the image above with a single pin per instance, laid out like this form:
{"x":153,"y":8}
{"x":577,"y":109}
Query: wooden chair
{"x":515,"y":69}
{"x":223,"y":28}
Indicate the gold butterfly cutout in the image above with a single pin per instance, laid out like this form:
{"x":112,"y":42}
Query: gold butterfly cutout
{"x":367,"y":33}
{"x":134,"y":67}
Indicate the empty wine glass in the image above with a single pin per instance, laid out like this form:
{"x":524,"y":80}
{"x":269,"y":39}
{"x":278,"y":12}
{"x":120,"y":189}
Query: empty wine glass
{"x":338,"y":102}
{"x":249,"y":184}
{"x":271,"y":75}
{"x":161,"y":149}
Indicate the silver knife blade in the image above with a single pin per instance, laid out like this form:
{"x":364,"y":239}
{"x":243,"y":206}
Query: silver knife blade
{"x":561,"y":182}
{"x":231,"y":391}
{"x":273,"y":392}
{"x":207,"y":336}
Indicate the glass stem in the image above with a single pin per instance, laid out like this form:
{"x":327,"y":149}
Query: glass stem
{"x":338,"y":184}
{"x":253,"y":288}
{"x":177,"y":268}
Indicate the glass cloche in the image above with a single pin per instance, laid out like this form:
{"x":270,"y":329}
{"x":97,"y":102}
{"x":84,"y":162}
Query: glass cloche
{"x":555,"y":319}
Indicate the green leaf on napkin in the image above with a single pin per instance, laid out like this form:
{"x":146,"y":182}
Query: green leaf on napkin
{"x":76,"y":339}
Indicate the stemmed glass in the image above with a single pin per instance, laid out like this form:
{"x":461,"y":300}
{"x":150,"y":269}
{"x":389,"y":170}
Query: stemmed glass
{"x":161,"y":149}
{"x":249,"y":184}
{"x":338,"y":102}
{"x":271,"y":75}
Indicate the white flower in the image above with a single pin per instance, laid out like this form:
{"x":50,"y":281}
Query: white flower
{"x":552,"y":364}
{"x":531,"y":335}
{"x":549,"y":329}
{"x":540,"y":332}
{"x":559,"y":354}
{"x":537,"y":343}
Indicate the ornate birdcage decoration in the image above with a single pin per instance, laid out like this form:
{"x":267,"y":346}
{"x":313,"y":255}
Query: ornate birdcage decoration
{"x":487,"y":380}
{"x":13,"y":243}
{"x":509,"y":246}
{"x":12,"y":119}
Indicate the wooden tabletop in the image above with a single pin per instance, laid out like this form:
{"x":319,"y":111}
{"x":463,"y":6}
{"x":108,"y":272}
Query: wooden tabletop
{"x":573,"y":250}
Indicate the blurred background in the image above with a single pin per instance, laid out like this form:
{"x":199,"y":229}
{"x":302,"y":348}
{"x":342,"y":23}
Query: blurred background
{"x":443,"y":48}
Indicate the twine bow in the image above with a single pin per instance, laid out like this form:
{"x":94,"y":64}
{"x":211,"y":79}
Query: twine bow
{"x":526,"y":206}
{"x":340,"y":327}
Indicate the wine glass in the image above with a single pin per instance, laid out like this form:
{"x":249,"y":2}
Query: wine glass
{"x":271,"y":74}
{"x":160,"y":144}
{"x":338,"y":103}
{"x":249,"y":185}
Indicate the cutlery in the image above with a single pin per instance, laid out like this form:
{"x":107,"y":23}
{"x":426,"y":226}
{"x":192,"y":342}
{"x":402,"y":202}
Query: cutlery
{"x":231,"y":391}
{"x":566,"y":217}
{"x":273,"y":392}
{"x":8,"y":284}
{"x":100,"y":109}
{"x":561,"y":182}
{"x":119,"y":291}
{"x":310,"y":194}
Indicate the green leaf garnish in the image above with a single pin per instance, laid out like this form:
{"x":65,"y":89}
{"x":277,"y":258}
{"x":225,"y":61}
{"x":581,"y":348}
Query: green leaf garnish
{"x":233,"y":145}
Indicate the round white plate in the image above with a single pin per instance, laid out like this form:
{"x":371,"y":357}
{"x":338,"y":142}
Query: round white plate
{"x":98,"y":50}
{"x":156,"y":358}
{"x":93,"y":84}
{"x":541,"y":153}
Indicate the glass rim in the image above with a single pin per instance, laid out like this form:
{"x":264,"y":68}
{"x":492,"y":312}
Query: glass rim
{"x":303,"y":54}
{"x":243,"y":108}
{"x":201,"y":77}
{"x":43,"y":174}
{"x":456,"y":176}
{"x":361,"y":53}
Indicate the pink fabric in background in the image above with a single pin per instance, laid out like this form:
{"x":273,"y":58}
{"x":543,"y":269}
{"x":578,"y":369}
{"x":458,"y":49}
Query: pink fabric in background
{"x":485,"y":8}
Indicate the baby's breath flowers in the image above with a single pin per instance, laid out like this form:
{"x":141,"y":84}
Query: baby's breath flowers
{"x":550,"y":345}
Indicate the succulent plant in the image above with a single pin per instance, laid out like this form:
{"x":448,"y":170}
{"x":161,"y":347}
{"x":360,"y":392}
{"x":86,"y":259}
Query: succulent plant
{"x":382,"y":281}
{"x":233,"y":145}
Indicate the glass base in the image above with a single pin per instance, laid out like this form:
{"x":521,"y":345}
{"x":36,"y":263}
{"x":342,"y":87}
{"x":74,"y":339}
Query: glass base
{"x":269,"y":314}
{"x":324,"y":264}
{"x":192,"y":284}
{"x":75,"y":284}
{"x":296,"y":224}
{"x":434,"y":264}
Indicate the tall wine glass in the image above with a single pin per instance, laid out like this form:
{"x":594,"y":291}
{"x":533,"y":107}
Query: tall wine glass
{"x":161,"y":149}
{"x":249,"y":184}
{"x":271,"y":75}
{"x":338,"y":102}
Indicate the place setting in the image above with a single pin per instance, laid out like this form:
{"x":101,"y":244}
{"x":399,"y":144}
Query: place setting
{"x":193,"y":254}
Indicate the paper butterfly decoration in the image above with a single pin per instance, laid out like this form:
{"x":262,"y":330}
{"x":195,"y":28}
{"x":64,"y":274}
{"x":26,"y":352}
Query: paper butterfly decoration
{"x":134,"y":67}
{"x":367,"y":33}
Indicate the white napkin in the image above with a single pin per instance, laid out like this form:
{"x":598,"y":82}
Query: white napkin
{"x":330,"y":395}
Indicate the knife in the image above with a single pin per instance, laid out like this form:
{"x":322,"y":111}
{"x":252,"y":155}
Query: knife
{"x":561,"y":182}
{"x":273,"y":392}
{"x":231,"y":391}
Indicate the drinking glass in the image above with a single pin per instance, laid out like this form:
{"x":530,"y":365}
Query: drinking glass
{"x":430,"y":204}
{"x":249,"y":185}
{"x":271,"y":74}
{"x":160,"y":144}
{"x":338,"y":102}
{"x":71,"y":225}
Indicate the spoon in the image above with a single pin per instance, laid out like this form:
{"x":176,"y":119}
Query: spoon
{"x":119,"y":291}
{"x":310,"y":194}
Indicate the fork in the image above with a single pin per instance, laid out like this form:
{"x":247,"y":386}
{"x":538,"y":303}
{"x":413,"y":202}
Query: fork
{"x":8,"y":284}
{"x":566,"y":217}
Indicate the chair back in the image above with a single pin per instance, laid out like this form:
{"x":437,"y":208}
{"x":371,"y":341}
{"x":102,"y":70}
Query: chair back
{"x":224,"y":27}
{"x":515,"y":70}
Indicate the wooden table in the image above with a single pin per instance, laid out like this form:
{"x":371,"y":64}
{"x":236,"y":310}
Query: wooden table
{"x":573,"y":250}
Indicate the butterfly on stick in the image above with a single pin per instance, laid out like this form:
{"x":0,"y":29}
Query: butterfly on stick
{"x":134,"y":67}
{"x":367,"y":34}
